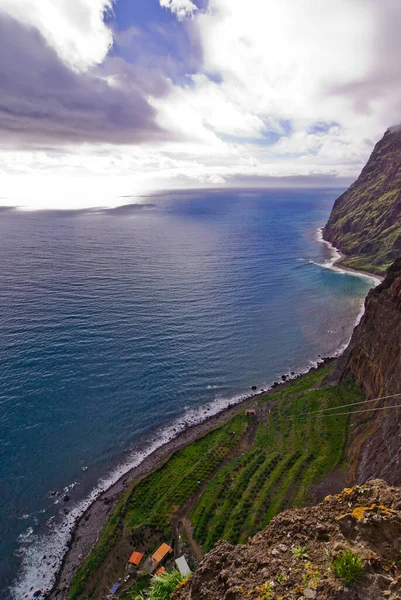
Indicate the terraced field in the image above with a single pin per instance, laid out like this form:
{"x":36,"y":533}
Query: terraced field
{"x":230,"y":483}
{"x":291,"y":451}
{"x":143,"y":516}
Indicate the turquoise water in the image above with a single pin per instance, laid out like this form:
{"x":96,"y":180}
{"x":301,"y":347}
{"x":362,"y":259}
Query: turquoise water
{"x":118,"y":324}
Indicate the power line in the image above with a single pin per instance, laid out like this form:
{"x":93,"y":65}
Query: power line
{"x":355,"y":412}
{"x":347,"y":405}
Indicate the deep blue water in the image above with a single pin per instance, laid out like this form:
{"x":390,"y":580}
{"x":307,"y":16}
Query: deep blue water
{"x":113,"y":324}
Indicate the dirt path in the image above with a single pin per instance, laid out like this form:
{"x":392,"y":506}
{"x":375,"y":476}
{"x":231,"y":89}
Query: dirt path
{"x":196,"y":549}
{"x":181,"y":521}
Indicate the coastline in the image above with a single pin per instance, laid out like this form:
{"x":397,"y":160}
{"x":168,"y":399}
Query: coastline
{"x":337,"y":257}
{"x":339,"y":264}
{"x":88,"y":525}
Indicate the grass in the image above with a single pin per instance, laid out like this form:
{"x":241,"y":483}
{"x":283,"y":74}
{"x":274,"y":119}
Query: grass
{"x":149,"y":504}
{"x":365,"y":221}
{"x":291,"y":451}
{"x":348,"y":567}
{"x":162,"y":587}
{"x":136,"y":589}
{"x":240,"y":493}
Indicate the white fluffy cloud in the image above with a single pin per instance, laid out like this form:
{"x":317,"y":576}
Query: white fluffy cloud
{"x":283,"y":89}
{"x":181,"y":8}
{"x":285,"y":61}
{"x":74,"y":28}
{"x":312,"y":87}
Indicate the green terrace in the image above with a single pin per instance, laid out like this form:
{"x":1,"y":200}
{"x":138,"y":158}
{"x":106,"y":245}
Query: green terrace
{"x":230,"y":483}
{"x":291,"y":451}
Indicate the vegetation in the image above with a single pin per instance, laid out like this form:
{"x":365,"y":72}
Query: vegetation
{"x":300,"y":552}
{"x":365,"y":220}
{"x":348,"y":567}
{"x":235,"y":479}
{"x":267,"y":592}
{"x":134,"y":592}
{"x":292,"y":449}
{"x":162,"y":586}
{"x":149,"y":504}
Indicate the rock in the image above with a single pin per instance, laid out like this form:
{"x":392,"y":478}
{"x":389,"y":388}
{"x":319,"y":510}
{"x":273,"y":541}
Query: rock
{"x":37,"y":593}
{"x":284,"y":377}
{"x":239,"y":572}
{"x":254,"y":387}
{"x":373,"y":360}
{"x":66,"y":498}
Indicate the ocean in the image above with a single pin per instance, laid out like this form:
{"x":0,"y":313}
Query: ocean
{"x":118,"y":327}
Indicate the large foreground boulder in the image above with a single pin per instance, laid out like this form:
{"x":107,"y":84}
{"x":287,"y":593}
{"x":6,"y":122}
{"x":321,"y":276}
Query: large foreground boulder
{"x":295,"y":556}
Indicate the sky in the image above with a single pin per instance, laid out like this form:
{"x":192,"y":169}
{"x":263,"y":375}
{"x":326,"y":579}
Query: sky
{"x":104,"y":99}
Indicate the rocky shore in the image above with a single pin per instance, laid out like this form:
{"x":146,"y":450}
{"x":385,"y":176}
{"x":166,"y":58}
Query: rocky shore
{"x":89,"y":526}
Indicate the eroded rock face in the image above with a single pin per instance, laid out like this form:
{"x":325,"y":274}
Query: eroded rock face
{"x":373,"y":359}
{"x":365,"y":223}
{"x":293,"y":557}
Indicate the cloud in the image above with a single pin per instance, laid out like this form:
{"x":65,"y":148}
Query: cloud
{"x":239,"y":94}
{"x":181,"y":8}
{"x":287,"y":82}
{"x":75,"y":29}
{"x":43,"y":101}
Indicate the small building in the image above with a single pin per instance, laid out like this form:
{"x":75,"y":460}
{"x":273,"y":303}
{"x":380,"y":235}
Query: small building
{"x":160,"y":553}
{"x":135,"y":558}
{"x":182,"y":566}
{"x":160,"y":571}
{"x":250,"y":412}
{"x":114,"y":587}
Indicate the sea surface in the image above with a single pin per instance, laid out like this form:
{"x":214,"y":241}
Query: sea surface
{"x":117,"y":328}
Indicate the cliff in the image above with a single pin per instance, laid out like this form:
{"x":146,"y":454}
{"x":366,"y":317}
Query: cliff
{"x":349,"y":545}
{"x":373,"y":359}
{"x":365,"y":223}
{"x":346,"y":547}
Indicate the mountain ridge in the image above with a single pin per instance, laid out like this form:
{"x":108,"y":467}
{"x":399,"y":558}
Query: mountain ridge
{"x":365,"y":222}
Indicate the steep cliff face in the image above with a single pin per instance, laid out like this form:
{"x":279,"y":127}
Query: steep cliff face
{"x":295,"y":556}
{"x":365,"y":223}
{"x":373,"y":359}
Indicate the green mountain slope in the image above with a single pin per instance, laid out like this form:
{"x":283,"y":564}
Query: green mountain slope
{"x":365,"y":223}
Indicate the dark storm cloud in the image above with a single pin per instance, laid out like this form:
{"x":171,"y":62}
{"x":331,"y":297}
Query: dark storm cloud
{"x":43,"y":101}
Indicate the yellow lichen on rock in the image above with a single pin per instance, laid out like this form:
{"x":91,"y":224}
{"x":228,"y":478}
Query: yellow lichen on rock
{"x":380,"y":509}
{"x":346,"y":492}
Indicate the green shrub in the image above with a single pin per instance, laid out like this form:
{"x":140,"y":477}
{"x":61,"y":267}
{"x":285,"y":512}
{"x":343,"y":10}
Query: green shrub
{"x":162,"y":586}
{"x":348,"y":567}
{"x":299,"y":552}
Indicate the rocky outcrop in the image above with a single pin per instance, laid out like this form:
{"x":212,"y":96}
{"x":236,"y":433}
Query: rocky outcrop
{"x":365,"y":223}
{"x":294,"y":556}
{"x":373,"y":359}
